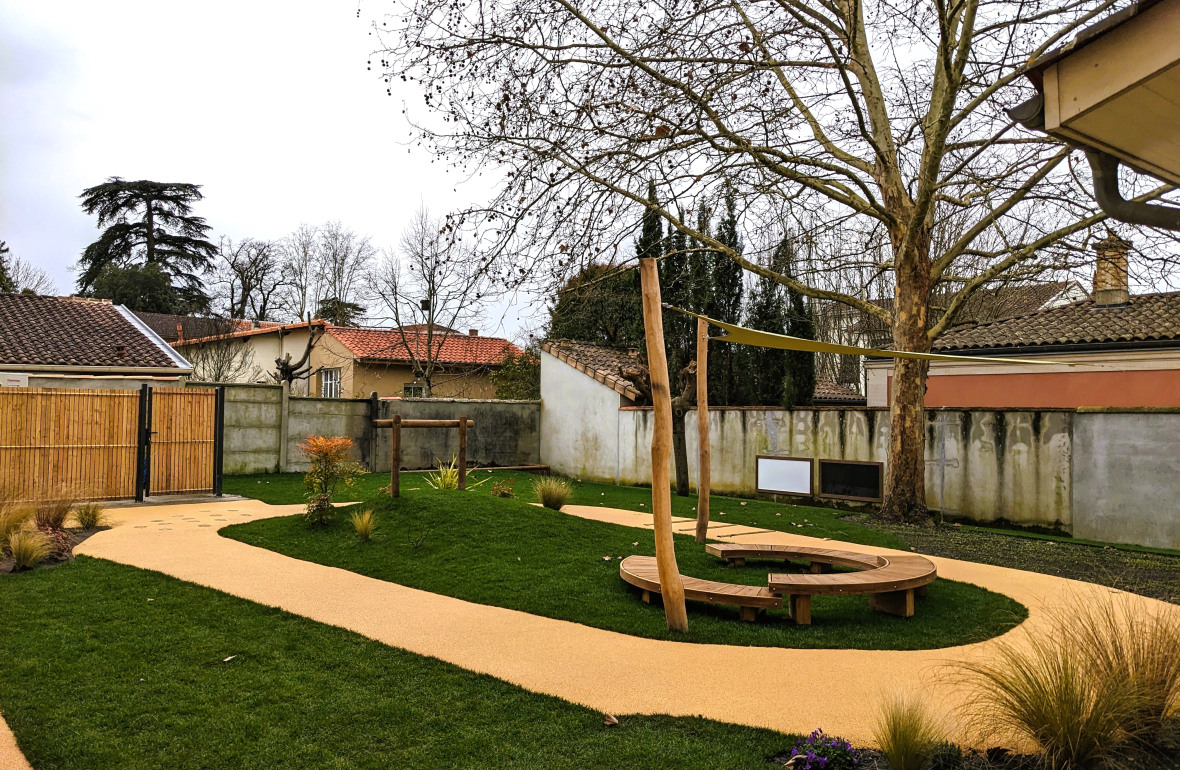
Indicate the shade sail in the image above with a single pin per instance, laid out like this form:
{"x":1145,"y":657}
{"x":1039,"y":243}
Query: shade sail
{"x":740,"y":335}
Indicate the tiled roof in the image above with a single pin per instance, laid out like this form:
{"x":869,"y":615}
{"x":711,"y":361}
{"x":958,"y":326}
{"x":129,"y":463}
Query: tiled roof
{"x":985,"y":305}
{"x":70,"y":331}
{"x":827,"y":391}
{"x":387,"y":345}
{"x":196,"y":327}
{"x":1145,"y":318}
{"x":603,"y":364}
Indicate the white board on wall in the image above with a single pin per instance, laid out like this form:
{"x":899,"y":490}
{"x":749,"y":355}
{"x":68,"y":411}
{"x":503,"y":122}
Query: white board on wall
{"x":785,"y":475}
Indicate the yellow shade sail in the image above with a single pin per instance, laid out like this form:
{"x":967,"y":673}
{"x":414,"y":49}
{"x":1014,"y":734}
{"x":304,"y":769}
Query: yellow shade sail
{"x":740,"y":335}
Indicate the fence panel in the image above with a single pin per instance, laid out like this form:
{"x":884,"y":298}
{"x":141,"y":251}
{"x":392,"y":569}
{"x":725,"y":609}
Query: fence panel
{"x":57,"y":442}
{"x":183,"y":440}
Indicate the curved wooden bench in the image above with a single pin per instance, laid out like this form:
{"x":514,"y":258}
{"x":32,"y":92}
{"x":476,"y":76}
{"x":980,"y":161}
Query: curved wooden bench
{"x":641,"y":571}
{"x":892,"y":583}
{"x":818,"y":558}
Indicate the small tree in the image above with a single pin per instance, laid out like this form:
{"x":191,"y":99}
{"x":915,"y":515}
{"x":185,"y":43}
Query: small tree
{"x":434,"y":285}
{"x":330,"y":469}
{"x":518,"y":377}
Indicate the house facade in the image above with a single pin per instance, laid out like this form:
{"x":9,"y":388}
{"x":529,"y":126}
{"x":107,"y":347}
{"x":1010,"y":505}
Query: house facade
{"x":1113,"y":350}
{"x":74,"y":342}
{"x":353,"y":362}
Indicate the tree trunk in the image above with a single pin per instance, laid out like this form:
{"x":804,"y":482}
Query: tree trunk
{"x":905,"y":481}
{"x":671,"y":586}
{"x":680,"y":447}
{"x":704,"y":456}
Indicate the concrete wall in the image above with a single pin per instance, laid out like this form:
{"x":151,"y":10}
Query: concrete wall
{"x":86,"y":382}
{"x":263,"y":428}
{"x":580,"y":422}
{"x":505,"y":432}
{"x":1127,"y":484}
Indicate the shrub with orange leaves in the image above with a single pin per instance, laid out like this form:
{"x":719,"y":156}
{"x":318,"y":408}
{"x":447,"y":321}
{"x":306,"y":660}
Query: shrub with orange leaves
{"x":331,"y":468}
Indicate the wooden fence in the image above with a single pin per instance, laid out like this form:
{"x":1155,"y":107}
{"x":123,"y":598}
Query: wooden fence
{"x":97,"y":445}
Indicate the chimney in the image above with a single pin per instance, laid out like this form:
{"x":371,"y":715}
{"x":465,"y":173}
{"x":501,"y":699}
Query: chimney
{"x":633,"y":352}
{"x":473,"y":332}
{"x":1110,"y":274}
{"x":180,"y":332}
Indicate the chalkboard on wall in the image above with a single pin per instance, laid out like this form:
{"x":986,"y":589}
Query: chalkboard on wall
{"x":849,"y":480}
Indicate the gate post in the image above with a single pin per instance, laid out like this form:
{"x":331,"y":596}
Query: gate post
{"x":143,"y":434}
{"x":218,"y":439}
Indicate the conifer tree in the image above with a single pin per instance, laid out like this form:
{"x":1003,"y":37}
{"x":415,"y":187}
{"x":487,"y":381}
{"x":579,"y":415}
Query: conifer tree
{"x":149,"y":223}
{"x":799,"y":383}
{"x":765,"y":369}
{"x":7,"y":285}
{"x":727,"y":288}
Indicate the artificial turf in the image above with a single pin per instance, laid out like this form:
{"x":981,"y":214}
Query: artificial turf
{"x":508,"y":553}
{"x":108,"y":666}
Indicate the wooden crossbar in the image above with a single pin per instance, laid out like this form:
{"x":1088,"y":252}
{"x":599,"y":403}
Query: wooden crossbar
{"x":395,"y":446}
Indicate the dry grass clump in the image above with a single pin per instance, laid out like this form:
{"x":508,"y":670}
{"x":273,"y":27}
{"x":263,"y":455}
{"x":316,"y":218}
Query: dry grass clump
{"x":907,"y":734}
{"x":52,"y":514}
{"x":1101,"y":678}
{"x":13,"y":518}
{"x":552,"y":492}
{"x":28,"y":548}
{"x":365,"y":523}
{"x":90,"y":516}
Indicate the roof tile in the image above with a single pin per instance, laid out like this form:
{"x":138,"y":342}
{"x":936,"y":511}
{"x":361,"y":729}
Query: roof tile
{"x":388,"y":345}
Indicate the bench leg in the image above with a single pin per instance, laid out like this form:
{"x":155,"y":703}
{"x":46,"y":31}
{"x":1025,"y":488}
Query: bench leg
{"x":819,"y":567}
{"x":646,"y":597}
{"x":801,"y":609}
{"x":737,"y":562}
{"x":921,"y":591}
{"x":748,"y":614}
{"x":900,"y":603}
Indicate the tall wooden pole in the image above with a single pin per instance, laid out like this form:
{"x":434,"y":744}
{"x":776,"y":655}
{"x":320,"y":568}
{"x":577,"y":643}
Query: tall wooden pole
{"x":671,"y":587}
{"x":395,"y":457}
{"x":704,"y":451}
{"x":463,"y":452}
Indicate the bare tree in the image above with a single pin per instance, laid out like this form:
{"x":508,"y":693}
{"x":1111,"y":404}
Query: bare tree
{"x":220,"y":356}
{"x":435,"y":284}
{"x":883,"y":121}
{"x":30,"y":279}
{"x":249,"y":278}
{"x":343,"y":259}
{"x":301,"y":286}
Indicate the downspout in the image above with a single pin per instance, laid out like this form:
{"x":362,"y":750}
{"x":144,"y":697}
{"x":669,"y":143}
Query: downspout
{"x":1105,"y":168}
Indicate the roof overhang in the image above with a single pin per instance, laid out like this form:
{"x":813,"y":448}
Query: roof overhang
{"x":1116,"y":88}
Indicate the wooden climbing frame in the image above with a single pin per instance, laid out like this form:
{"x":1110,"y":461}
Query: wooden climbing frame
{"x":395,"y":446}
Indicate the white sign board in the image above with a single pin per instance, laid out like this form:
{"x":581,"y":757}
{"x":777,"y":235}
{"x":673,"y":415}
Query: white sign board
{"x":785,"y":475}
{"x":13,"y":380}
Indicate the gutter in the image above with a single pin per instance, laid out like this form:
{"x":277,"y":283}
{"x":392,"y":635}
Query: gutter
{"x":157,"y":340}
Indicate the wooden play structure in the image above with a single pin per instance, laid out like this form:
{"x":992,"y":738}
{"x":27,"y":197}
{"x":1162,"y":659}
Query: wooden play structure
{"x":396,"y":423}
{"x":892,"y":581}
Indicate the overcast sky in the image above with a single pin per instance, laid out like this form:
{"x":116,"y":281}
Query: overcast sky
{"x":268,"y":105}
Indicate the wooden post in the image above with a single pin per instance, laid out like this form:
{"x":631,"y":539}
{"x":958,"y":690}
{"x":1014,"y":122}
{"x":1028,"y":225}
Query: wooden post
{"x":704,"y":451}
{"x":671,"y":586}
{"x":463,"y":451}
{"x":395,"y":456}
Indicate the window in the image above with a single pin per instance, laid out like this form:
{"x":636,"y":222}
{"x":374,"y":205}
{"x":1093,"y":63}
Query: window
{"x":330,"y":383}
{"x":413,"y":391}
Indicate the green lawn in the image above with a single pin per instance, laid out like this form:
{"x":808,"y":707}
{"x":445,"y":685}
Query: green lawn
{"x":107,"y":666}
{"x":287,"y":488}
{"x":508,"y":553}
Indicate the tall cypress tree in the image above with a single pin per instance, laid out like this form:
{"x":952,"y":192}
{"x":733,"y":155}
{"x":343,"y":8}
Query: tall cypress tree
{"x":149,"y":223}
{"x":765,"y":369}
{"x":799,"y":383}
{"x":727,"y":288}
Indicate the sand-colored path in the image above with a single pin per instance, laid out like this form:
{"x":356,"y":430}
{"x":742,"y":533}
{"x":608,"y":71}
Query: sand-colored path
{"x":784,"y":689}
{"x":11,"y":757}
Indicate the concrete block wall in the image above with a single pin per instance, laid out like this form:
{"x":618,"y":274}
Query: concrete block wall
{"x":264,"y":426}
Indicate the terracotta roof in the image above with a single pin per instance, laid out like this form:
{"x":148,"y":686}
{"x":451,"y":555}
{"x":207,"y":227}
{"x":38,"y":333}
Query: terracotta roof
{"x":71,"y":331}
{"x":1146,"y":318}
{"x":387,"y":345}
{"x":603,"y":364}
{"x":197,"y":327}
{"x":830,"y":392}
